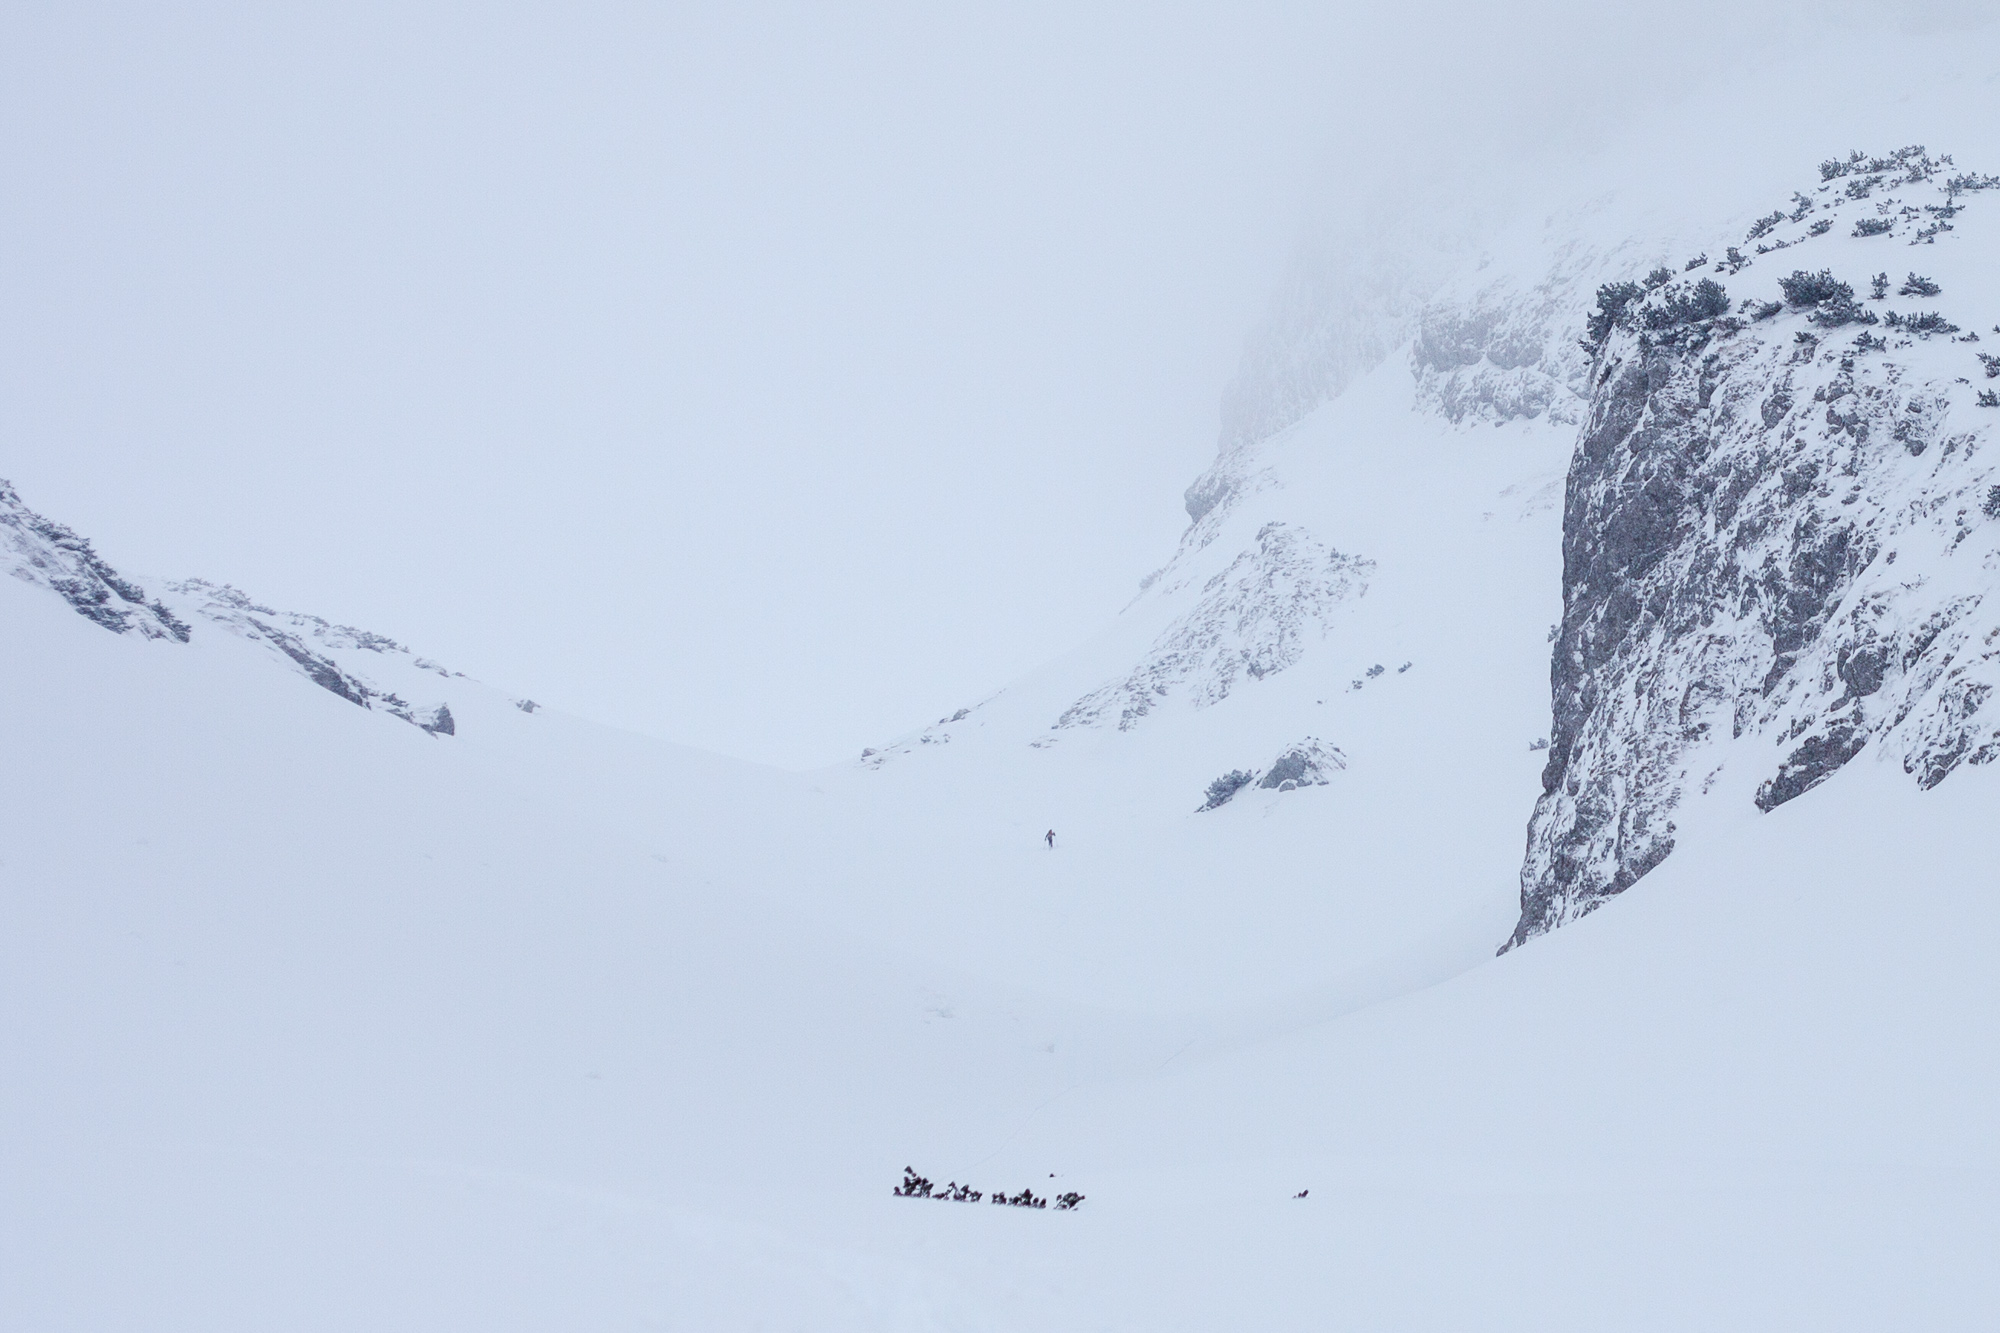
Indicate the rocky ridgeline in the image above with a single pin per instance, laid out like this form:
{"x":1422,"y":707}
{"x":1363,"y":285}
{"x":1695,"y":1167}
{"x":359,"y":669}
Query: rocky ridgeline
{"x":1253,"y":619}
{"x":49,"y":555}
{"x":309,"y":644}
{"x":1780,"y":531}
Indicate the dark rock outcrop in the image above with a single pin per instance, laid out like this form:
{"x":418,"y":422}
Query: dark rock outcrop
{"x":40,"y":551}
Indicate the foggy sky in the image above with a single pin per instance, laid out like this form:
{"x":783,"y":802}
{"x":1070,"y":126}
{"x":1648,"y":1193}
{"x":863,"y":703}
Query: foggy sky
{"x":769,"y":378}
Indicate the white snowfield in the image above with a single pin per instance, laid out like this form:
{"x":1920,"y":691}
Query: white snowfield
{"x":318,"y":1020}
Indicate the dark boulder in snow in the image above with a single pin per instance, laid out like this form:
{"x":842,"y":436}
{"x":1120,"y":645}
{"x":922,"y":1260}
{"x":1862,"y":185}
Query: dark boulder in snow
{"x":1310,"y":763}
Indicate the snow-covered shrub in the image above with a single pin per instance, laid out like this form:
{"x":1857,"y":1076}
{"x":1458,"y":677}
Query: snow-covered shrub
{"x":1839,"y":311}
{"x":1659,"y":278}
{"x":1820,"y":228}
{"x":1225,"y":787}
{"x":1803,"y":288}
{"x":1878,"y":287}
{"x":1025,"y":1199}
{"x":1869,"y":342}
{"x":1765,"y":309}
{"x":1918,"y":286}
{"x":1612,"y":299}
{"x":1992,"y":506}
{"x":1707,"y":299}
{"x":1992,"y":364}
{"x":1923,"y":325}
{"x":915,"y":1186}
{"x":1762,"y":226}
{"x":1871,"y":227}
{"x":1988,"y":398}
{"x":1860,"y":187}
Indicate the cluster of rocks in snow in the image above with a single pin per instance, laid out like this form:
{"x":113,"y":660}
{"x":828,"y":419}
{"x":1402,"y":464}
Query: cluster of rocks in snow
{"x":1253,"y":619}
{"x":1310,"y":762}
{"x":47,"y":554}
{"x":310,"y":643}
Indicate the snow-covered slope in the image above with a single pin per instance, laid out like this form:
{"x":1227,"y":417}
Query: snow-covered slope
{"x":313,"y":1021}
{"x":1321,"y":610}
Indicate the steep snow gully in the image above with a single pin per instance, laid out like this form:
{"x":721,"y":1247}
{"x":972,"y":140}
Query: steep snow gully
{"x":343,"y":991}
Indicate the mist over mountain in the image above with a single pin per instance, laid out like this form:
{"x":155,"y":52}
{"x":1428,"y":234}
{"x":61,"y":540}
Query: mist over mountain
{"x":1516,"y":859}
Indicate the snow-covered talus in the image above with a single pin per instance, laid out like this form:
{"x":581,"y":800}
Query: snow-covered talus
{"x":1778,"y":542}
{"x":49,"y":555}
{"x":1254,"y":618}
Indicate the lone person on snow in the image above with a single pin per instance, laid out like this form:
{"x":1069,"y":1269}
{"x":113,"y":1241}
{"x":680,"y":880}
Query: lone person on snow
{"x":1051,"y":837}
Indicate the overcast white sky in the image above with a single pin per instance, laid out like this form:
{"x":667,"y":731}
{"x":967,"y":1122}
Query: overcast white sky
{"x":772,"y":378}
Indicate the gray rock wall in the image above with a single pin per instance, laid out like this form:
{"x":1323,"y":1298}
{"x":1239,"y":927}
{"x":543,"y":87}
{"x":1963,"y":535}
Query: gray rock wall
{"x":1776,"y":552}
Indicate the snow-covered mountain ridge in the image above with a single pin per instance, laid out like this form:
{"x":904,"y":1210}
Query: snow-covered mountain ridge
{"x":45,"y":554}
{"x":367,"y":669}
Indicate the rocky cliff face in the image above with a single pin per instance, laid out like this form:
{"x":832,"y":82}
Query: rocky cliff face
{"x":1782,"y":532}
